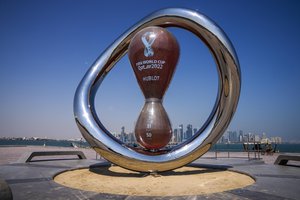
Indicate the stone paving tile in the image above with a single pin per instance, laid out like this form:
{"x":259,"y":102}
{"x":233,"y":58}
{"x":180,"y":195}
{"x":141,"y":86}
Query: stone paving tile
{"x":34,"y":180}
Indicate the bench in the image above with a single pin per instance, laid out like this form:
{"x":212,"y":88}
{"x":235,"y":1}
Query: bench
{"x":27,"y":157}
{"x":283,"y":159}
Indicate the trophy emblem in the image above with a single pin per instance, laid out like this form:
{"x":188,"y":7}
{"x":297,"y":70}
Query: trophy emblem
{"x":148,"y":39}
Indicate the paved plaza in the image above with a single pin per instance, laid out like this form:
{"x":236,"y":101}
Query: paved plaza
{"x":34,"y":180}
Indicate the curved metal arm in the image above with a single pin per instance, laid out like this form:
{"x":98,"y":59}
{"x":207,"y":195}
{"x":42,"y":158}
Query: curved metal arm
{"x":228,"y":94}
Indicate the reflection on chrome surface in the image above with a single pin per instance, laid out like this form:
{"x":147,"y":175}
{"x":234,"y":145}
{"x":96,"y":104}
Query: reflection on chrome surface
{"x":119,"y":153}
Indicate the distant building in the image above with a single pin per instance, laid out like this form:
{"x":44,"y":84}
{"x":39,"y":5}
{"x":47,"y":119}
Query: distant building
{"x":189,"y":131}
{"x":224,"y":138}
{"x":232,"y":136}
{"x":276,"y":140}
{"x":241,"y":134}
{"x":250,"y":137}
{"x":123,"y":134}
{"x":181,"y":132}
{"x":116,"y":135}
{"x":131,"y":138}
{"x":176,"y":135}
{"x":257,"y":138}
{"x":195,"y":131}
{"x":245,"y":137}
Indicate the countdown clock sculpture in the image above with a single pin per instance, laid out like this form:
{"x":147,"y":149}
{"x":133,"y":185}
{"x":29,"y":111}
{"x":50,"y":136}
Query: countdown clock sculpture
{"x":153,"y":53}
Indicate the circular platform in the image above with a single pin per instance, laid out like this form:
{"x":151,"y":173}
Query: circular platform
{"x":116,"y":180}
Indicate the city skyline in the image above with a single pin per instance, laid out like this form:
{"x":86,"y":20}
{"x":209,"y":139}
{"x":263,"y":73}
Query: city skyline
{"x":181,"y":134}
{"x":47,"y":47}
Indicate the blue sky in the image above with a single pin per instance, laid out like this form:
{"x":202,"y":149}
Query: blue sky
{"x":47,"y":46}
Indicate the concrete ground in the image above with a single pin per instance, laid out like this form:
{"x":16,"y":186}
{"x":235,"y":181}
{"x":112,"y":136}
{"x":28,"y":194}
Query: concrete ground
{"x":34,"y":180}
{"x":12,"y":154}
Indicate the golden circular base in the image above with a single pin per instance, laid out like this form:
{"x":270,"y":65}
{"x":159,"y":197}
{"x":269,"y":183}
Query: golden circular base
{"x":179,"y":182}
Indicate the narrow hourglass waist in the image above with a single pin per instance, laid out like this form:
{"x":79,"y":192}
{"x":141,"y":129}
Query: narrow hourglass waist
{"x":153,"y":100}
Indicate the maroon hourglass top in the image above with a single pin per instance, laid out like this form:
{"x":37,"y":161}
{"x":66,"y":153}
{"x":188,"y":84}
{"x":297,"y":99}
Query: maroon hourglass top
{"x":153,"y":53}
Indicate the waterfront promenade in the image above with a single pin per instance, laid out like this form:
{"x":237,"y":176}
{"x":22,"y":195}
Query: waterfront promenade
{"x":11,"y":154}
{"x":34,"y":180}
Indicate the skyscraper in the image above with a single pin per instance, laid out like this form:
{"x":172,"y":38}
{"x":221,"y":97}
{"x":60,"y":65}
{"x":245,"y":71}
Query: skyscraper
{"x":241,"y":136}
{"x":131,"y":138}
{"x":123,"y":134}
{"x":232,"y":136}
{"x":175,"y":135}
{"x":181,"y":132}
{"x":189,"y":131}
{"x":195,"y":131}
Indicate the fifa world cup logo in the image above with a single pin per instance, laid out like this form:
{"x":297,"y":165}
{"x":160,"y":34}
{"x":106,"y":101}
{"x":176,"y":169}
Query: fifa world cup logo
{"x":148,"y":39}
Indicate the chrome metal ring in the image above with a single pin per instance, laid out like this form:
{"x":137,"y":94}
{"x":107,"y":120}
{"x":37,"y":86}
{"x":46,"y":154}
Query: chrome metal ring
{"x":227,"y":99}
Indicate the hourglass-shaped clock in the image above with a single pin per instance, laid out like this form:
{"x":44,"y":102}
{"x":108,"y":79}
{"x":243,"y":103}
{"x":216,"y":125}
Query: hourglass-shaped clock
{"x":153,"y":53}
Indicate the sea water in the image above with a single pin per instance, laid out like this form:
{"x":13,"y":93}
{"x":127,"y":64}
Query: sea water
{"x":238,"y":147}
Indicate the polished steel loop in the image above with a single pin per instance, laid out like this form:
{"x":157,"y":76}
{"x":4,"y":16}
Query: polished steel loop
{"x":102,"y":141}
